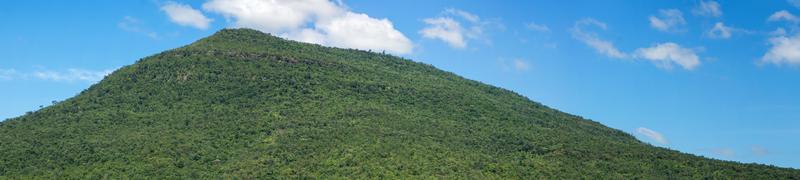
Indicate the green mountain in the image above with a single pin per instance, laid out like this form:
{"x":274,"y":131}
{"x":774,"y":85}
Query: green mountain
{"x":245,"y":104}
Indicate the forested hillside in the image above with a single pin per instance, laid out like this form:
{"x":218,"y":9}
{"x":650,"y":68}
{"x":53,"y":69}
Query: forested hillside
{"x":242,"y":103}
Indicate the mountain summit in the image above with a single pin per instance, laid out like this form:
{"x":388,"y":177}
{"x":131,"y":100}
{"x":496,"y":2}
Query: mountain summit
{"x":242,"y":103}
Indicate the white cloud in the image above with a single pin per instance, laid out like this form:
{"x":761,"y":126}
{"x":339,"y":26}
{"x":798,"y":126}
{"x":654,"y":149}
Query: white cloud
{"x":784,"y":50}
{"x":708,"y":8}
{"x":601,"y":46}
{"x":355,"y":30}
{"x":8,"y":74}
{"x":314,"y":21}
{"x":652,"y":135}
{"x":778,"y":32}
{"x":455,"y":33}
{"x":466,"y":15}
{"x":720,"y":31}
{"x":274,"y":15}
{"x":185,"y":15}
{"x":666,"y":54}
{"x":668,"y":20}
{"x":307,"y":35}
{"x":131,"y":24}
{"x":783,"y":15}
{"x":445,"y":29}
{"x":537,"y":27}
{"x":72,"y":75}
{"x":514,"y":65}
{"x":520,"y":65}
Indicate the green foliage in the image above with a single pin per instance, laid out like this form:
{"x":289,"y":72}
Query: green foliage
{"x":245,"y":104}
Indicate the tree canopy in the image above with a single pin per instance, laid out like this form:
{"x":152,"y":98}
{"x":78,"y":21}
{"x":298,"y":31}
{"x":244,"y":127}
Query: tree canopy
{"x":245,"y":104}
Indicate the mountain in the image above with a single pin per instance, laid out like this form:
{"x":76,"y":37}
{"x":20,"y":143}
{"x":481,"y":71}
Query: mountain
{"x":245,"y":104}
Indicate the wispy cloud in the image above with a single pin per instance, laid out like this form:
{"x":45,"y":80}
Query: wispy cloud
{"x":520,"y":65}
{"x":795,"y":3}
{"x":445,"y":29}
{"x":516,"y":64}
{"x":537,"y":27}
{"x":185,"y":15}
{"x":778,"y":32}
{"x":668,"y":20}
{"x":131,"y":24}
{"x":759,"y":151}
{"x":652,"y":135}
{"x":721,"y":31}
{"x":784,"y":15}
{"x":456,"y":27}
{"x":8,"y":74}
{"x":708,"y":9}
{"x":663,"y":55}
{"x":464,"y":14}
{"x":72,"y":75}
{"x":69,"y":75}
{"x":726,"y":152}
{"x":593,"y":40}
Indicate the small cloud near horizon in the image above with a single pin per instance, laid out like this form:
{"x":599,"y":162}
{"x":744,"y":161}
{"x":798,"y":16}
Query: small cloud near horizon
{"x":652,"y":135}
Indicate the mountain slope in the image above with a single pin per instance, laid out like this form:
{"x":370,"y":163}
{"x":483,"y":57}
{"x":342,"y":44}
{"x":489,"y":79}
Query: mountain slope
{"x":242,"y":103}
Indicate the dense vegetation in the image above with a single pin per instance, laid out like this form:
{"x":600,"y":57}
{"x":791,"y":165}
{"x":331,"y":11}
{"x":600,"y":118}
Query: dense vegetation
{"x":245,"y":104}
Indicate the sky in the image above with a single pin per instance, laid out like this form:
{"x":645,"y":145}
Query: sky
{"x":720,"y":79}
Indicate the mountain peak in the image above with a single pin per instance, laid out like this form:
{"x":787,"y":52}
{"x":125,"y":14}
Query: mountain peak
{"x":242,"y":103}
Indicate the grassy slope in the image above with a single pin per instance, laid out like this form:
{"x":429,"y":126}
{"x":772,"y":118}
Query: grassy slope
{"x":245,"y":104}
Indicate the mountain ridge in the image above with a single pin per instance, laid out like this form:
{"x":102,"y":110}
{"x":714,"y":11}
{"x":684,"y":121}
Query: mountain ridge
{"x":241,"y":103}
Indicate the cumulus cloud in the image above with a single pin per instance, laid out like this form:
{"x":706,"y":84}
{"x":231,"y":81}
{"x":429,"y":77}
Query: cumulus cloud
{"x":783,"y":50}
{"x":355,"y":30}
{"x":652,"y":135}
{"x":274,"y":16}
{"x":708,"y":8}
{"x":314,"y":21}
{"x":592,"y":39}
{"x":455,"y":27}
{"x":131,"y":24}
{"x":445,"y":29}
{"x":783,"y":15}
{"x":668,"y":20}
{"x":537,"y":27}
{"x":666,"y":54}
{"x":185,"y":15}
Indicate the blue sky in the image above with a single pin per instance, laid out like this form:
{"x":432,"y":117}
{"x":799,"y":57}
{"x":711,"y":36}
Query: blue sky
{"x":713,"y":78}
